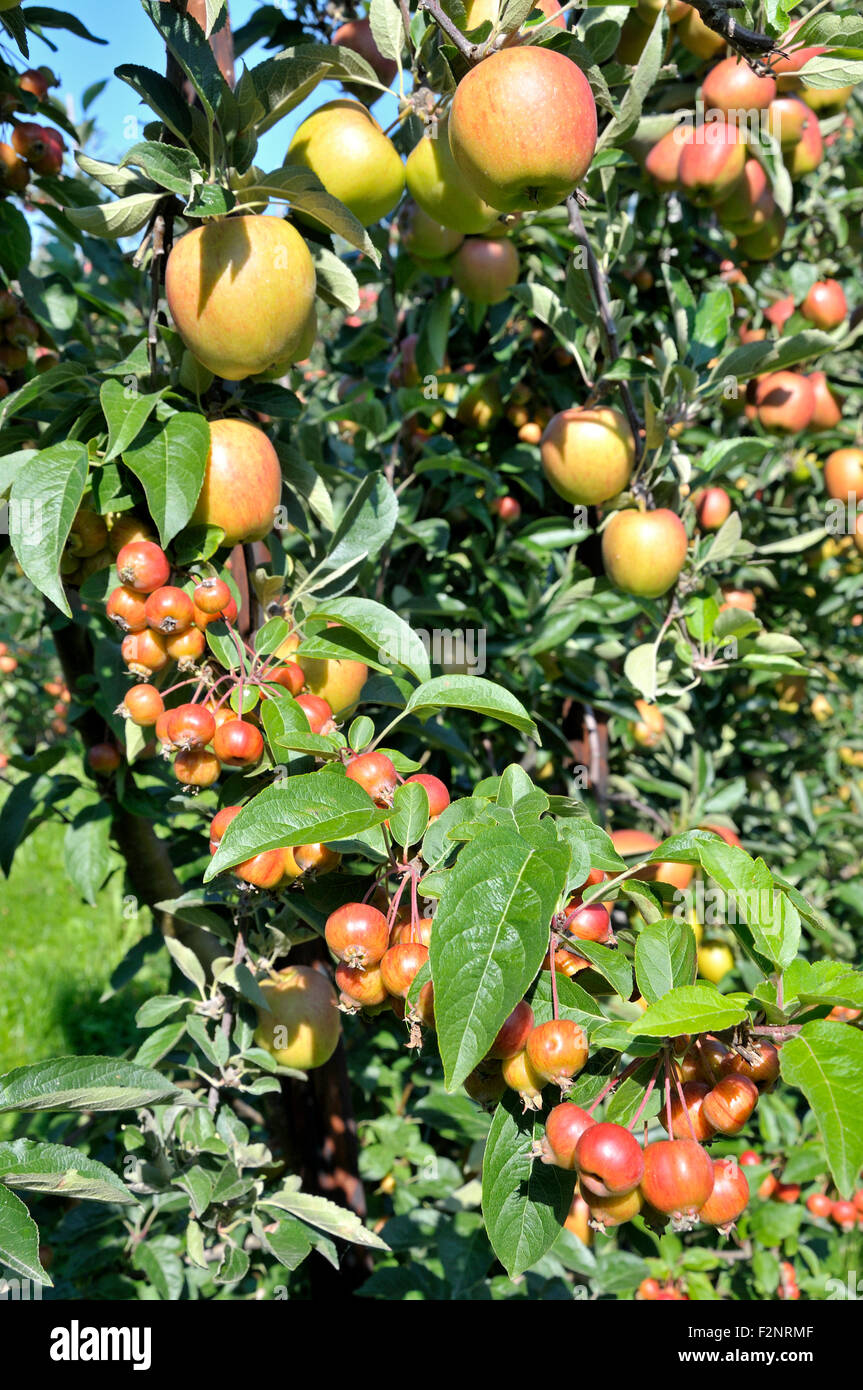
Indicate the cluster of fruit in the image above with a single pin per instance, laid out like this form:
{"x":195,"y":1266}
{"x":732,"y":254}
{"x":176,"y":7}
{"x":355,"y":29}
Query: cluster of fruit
{"x":19,"y":336}
{"x":32,"y":148}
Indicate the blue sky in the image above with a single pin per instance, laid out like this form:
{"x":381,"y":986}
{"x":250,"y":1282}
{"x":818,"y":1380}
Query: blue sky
{"x":131,"y":38}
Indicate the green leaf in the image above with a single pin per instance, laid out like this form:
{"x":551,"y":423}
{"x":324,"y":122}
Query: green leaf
{"x":170,"y":166}
{"x":61,"y":1171}
{"x":15,"y":240}
{"x":162,"y":97}
{"x":473,"y":693}
{"x":19,"y":1239}
{"x":491,"y":933}
{"x":84,"y":1083}
{"x":384,"y":630}
{"x":324,"y":1215}
{"x":524,"y":1201}
{"x":45,"y":496}
{"x":87,"y":849}
{"x":114,"y":220}
{"x":690,"y":1009}
{"x":825,"y":1061}
{"x":185,"y":39}
{"x":767,"y":910}
{"x":410,"y":816}
{"x":664,"y":958}
{"x":126,"y":412}
{"x":171,"y":468}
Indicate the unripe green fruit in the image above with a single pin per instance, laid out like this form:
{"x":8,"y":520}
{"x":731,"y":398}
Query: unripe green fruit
{"x":302,"y":1024}
{"x":644,"y":552}
{"x":344,"y":145}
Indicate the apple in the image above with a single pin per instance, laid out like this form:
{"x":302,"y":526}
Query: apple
{"x":825,"y":305}
{"x":786,"y":69}
{"x":522,"y":128}
{"x":787,"y":118}
{"x":630,"y":843}
{"x":763,"y":244}
{"x":696,"y":37}
{"x":485,"y":270}
{"x":425,"y":238}
{"x":734,"y":86}
{"x":587,"y":454}
{"x":506,"y":509}
{"x":357,"y":34}
{"x":241,"y":291}
{"x":804,"y":157}
{"x":478,"y":12}
{"x":242,"y":483}
{"x":828,"y":100}
{"x":750,"y":204}
{"x":343,"y":144}
{"x":40,"y":145}
{"x":712,"y":507}
{"x":779,"y":312}
{"x":648,"y":729}
{"x":437,"y":184}
{"x":843,"y":475}
{"x":35,"y":81}
{"x":785,"y":402}
{"x":301,"y":1025}
{"x":633,"y":38}
{"x":644,"y":552}
{"x":663,"y":160}
{"x":828,"y":406}
{"x":337,"y":680}
{"x":480,"y":405}
{"x":14,"y":171}
{"x":737,"y":598}
{"x":711,"y":162}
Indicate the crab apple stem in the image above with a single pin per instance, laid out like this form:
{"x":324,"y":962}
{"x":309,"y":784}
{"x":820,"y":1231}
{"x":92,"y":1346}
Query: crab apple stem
{"x":415,"y":914}
{"x":179,"y":686}
{"x":671,"y":1071}
{"x":647,"y":1094}
{"x":552,"y":948}
{"x":706,"y":1062}
{"x":614,"y":1081}
{"x":668,"y":1100}
{"x":394,"y":905}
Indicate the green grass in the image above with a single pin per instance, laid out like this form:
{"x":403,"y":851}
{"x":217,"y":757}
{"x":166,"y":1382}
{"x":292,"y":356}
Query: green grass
{"x":57,"y":955}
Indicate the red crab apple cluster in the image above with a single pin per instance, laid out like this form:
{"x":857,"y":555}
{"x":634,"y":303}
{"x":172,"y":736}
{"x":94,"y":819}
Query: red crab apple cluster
{"x":278,"y":868}
{"x":21,"y":338}
{"x":527,"y":1056}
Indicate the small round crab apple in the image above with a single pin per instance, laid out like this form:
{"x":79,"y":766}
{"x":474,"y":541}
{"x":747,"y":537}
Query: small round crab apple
{"x":436,"y":791}
{"x":212,"y":596}
{"x":589,"y":922}
{"x":729,"y":1198}
{"x":228,"y":614}
{"x":360,"y":989}
{"x":290,"y":677}
{"x":144,"y":652}
{"x":318,"y":713}
{"x":513,"y":1032}
{"x":819,"y":1204}
{"x":219,"y":824}
{"x":142,"y":704}
{"x":688,"y":1120}
{"x":557,"y":1050}
{"x":485,"y":1084}
{"x":144,"y":566}
{"x":615,"y":1210}
{"x":729,"y":1104}
{"x":186,"y":647}
{"x":103,"y":759}
{"x":264,"y":870}
{"x":316,"y":859}
{"x":169,"y":610}
{"x":609,"y":1160}
{"x":520,"y":1076}
{"x":400,"y":966}
{"x":763,"y":1069}
{"x":127,"y":609}
{"x":845,"y":1215}
{"x":404,"y":929}
{"x":678,"y":1179}
{"x":190,"y":726}
{"x":238,"y":743}
{"x":566,"y":962}
{"x":358,"y":935}
{"x":197,"y":767}
{"x":564,"y":1127}
{"x":376,"y":774}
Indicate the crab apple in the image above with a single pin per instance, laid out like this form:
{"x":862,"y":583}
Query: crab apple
{"x":609,"y":1160}
{"x":587,"y":455}
{"x":185,"y":646}
{"x":513,"y":1032}
{"x":843,"y":475}
{"x":35,"y":81}
{"x":578,"y":1219}
{"x":644,"y":552}
{"x":787,"y":66}
{"x":557,"y":1050}
{"x":238,"y":743}
{"x":127,"y":609}
{"x":566,"y":962}
{"x":730,"y":1103}
{"x":785,"y":402}
{"x":143,"y":566}
{"x":764,"y":1070}
{"x":301,"y":1025}
{"x":40,"y":145}
{"x":202,"y":620}
{"x":520,"y":1076}
{"x":290,"y":677}
{"x":337,"y":682}
{"x":211,"y":595}
{"x":663,"y":160}
{"x":376,"y":774}
{"x":360,"y":987}
{"x":734,"y":86}
{"x":357,"y":934}
{"x":712,"y":1055}
{"x":405,"y":929}
{"x":485,"y":269}
{"x":787,"y":1192}
{"x":241,"y":291}
{"x":589,"y":922}
{"x":711,"y":163}
{"x":564,"y":1127}
{"x":401,"y":964}
{"x":648,"y":729}
{"x":424,"y":237}
{"x":143,"y":704}
{"x":169,"y":609}
{"x":825,"y":305}
{"x":436,"y":791}
{"x":440,"y":189}
{"x":522,"y":128}
{"x":715,"y":959}
{"x":124,"y":529}
{"x":828,"y":405}
{"x":103,"y":759}
{"x":678,"y":1178}
{"x":357,"y":35}
{"x":506,"y":509}
{"x":23,"y":332}
{"x":485,"y":1084}
{"x":316,"y":859}
{"x":819,"y":1204}
{"x":729,"y":1198}
{"x":264,"y":870}
{"x":242,"y":485}
{"x":845,"y":1215}
{"x":355,"y":161}
{"x":144,"y":652}
{"x":688,"y":1120}
{"x":197,"y":767}
{"x":14,"y":171}
{"x":613,"y":1210}
{"x":12,"y":359}
{"x":190,"y":726}
{"x":318,"y":713}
